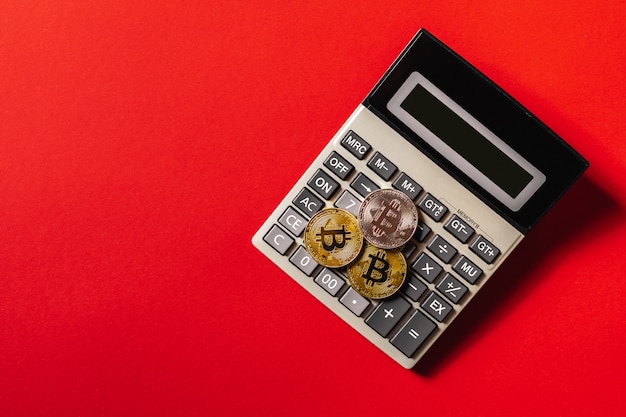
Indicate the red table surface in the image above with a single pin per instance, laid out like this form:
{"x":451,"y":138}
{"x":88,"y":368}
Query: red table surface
{"x":143,"y":143}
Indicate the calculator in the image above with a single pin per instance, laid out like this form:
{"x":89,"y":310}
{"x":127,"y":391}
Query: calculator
{"x":480,"y":168}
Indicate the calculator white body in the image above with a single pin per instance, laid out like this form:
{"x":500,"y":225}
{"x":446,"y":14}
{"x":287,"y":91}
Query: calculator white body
{"x":280,"y":237}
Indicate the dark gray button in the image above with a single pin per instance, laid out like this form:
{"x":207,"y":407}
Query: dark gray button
{"x":442,"y":249}
{"x":426,"y":267}
{"x":302,"y":260}
{"x":436,"y":306}
{"x":467,"y":269}
{"x":432,"y":207}
{"x":413,"y":334}
{"x":278,"y":239}
{"x":338,"y":165}
{"x":363,"y":185}
{"x":323,"y":184}
{"x":459,"y":228}
{"x":308,"y":202}
{"x":451,"y":288}
{"x":356,"y":145}
{"x":354,"y":301}
{"x":485,"y":249}
{"x":330,"y":281}
{"x":414,"y":288}
{"x":409,"y":249}
{"x":349,"y":202}
{"x":293,"y":221}
{"x":382,"y":166}
{"x":387,"y":314}
{"x":422,"y":231}
{"x":407,"y":185}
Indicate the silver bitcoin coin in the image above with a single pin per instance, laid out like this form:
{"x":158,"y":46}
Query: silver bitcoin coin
{"x":388,"y":218}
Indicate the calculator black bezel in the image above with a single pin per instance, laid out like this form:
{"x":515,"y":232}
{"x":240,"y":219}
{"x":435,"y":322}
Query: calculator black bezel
{"x":495,"y":109}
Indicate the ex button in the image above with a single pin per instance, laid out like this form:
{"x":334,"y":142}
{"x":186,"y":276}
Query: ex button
{"x":484,"y":249}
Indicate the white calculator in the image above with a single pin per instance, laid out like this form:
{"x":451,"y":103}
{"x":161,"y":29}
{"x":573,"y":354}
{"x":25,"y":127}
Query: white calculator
{"x":480,"y":168}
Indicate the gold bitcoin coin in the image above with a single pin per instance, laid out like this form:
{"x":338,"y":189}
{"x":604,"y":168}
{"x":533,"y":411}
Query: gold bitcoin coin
{"x":333,"y":238}
{"x":378,"y":273}
{"x":388,"y":218}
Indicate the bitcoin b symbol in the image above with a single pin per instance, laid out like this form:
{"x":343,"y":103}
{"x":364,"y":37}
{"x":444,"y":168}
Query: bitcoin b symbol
{"x":376,"y":269}
{"x":338,"y":238}
{"x":387,"y":220}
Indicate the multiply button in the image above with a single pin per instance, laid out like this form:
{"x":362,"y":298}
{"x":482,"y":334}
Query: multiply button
{"x":426,"y":267}
{"x":484,"y":249}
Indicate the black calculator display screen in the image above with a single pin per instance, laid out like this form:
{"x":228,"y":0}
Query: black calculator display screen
{"x":475,"y":131}
{"x":465,"y":141}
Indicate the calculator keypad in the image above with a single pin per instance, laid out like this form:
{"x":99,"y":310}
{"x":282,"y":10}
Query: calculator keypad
{"x":446,"y":256}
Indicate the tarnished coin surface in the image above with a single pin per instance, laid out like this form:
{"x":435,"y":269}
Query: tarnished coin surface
{"x":388,"y":218}
{"x":377,"y":273}
{"x":333,"y":238}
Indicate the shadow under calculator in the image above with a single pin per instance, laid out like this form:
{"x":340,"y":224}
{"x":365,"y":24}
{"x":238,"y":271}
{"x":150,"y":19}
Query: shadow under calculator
{"x":584,"y":209}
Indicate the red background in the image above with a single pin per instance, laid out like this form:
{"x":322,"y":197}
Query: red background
{"x":142,"y":143}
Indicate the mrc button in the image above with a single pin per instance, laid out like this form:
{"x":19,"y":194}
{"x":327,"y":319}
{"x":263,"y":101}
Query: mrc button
{"x":356,"y":145}
{"x":484,"y":249}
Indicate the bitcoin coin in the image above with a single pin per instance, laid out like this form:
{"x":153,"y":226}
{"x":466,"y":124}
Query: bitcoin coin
{"x":388,"y":218}
{"x":333,"y":238}
{"x":377,"y":273}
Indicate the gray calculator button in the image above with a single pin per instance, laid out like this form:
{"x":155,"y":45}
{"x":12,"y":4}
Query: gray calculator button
{"x":467,"y":270}
{"x":293,"y":221}
{"x":338,"y":165}
{"x":302,"y":260}
{"x":387,"y":314}
{"x":442,"y":249}
{"x":363,"y":185}
{"x":278,"y":239}
{"x":407,"y":185}
{"x":308,"y":202}
{"x":414,"y":288}
{"x":330,"y":281}
{"x":426,"y":267}
{"x":422,"y":231}
{"x":459,"y":228}
{"x":409,"y":249}
{"x":348,"y":202}
{"x":413,"y":334}
{"x":432,"y":207}
{"x":355,"y":302}
{"x":323,"y":184}
{"x":451,"y":288}
{"x":356,"y":145}
{"x":485,"y":249}
{"x":436,"y":306}
{"x":382,"y":166}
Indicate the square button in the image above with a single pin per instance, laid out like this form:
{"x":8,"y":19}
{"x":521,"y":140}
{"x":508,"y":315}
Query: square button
{"x":354,"y":301}
{"x":426,"y":267}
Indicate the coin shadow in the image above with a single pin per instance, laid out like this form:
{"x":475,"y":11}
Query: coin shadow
{"x":521,"y":268}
